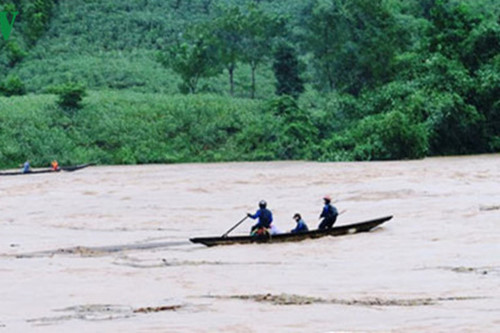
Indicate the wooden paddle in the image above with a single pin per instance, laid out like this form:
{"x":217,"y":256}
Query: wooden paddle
{"x":234,"y":227}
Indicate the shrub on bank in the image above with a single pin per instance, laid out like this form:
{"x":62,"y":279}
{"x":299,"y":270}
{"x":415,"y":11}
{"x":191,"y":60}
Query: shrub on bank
{"x":389,"y":136}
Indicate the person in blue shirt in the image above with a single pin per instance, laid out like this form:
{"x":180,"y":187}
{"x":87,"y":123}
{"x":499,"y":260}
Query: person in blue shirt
{"x":301,"y":225}
{"x":329,"y":214}
{"x":264,"y":216}
{"x":26,"y":167}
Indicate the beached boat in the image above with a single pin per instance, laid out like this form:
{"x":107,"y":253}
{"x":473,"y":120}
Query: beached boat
{"x":70,"y":168}
{"x":293,"y":237}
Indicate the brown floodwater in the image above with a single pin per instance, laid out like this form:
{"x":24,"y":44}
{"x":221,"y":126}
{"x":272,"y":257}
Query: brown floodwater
{"x":106,"y":249}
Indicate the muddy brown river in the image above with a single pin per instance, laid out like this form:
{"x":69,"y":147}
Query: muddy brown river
{"x":106,"y":249}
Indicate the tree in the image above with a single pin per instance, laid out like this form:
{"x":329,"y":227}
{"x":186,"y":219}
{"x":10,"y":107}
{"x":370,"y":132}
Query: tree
{"x":451,"y":25}
{"x":228,"y":29}
{"x":259,"y":32}
{"x":481,"y":45}
{"x":353,"y":42}
{"x":287,"y":72}
{"x":70,"y":95}
{"x":192,"y":59}
{"x":487,"y":101}
{"x":37,"y":17}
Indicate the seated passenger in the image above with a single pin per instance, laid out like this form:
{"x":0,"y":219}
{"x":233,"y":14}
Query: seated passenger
{"x":26,"y":167}
{"x":301,"y":225}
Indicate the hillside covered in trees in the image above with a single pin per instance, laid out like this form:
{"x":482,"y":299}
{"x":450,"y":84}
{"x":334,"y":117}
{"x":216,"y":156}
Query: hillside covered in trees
{"x":156,"y":81}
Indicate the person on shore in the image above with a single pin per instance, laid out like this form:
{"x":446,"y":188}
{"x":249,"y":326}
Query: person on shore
{"x":301,"y":225}
{"x":55,"y":165}
{"x":329,"y":214}
{"x":265,"y":218}
{"x":26,"y":167}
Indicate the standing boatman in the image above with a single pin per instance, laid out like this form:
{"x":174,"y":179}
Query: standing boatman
{"x":265,"y":218}
{"x":329,"y":214}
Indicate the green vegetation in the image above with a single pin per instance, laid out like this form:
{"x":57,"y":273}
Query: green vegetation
{"x":287,"y":72}
{"x":124,"y":127}
{"x":12,"y":86}
{"x":317,"y":79}
{"x":70,"y":95}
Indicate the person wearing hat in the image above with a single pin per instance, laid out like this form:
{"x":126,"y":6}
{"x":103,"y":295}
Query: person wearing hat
{"x":265,"y":218}
{"x":329,"y":214}
{"x":301,"y":225}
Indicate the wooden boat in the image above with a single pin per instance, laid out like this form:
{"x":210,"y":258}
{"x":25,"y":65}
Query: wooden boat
{"x":76,"y":167}
{"x":32,"y":172}
{"x":293,"y":237}
{"x":70,"y":168}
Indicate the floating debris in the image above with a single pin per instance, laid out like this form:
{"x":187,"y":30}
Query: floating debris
{"x":174,"y":263}
{"x":88,"y":312}
{"x":282,"y":299}
{"x":157,"y":308}
{"x":291,"y":299}
{"x":475,"y":270}
{"x":487,"y":208}
{"x":99,"y":312}
{"x":81,"y":251}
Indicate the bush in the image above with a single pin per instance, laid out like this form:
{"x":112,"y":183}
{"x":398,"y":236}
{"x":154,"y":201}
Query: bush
{"x":27,"y":131}
{"x":12,"y":86}
{"x":456,"y":127}
{"x":15,"y":53}
{"x":389,"y":136}
{"x":298,"y":134}
{"x":494,"y":144}
{"x":337,"y":148}
{"x":70,"y":95}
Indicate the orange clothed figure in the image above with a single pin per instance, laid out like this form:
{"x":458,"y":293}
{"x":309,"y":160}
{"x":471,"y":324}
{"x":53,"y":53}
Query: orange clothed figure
{"x":55,"y":165}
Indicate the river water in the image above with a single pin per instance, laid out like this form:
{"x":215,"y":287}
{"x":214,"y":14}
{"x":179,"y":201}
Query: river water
{"x":106,"y":249}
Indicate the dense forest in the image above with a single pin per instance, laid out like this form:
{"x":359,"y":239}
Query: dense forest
{"x":161,"y":81}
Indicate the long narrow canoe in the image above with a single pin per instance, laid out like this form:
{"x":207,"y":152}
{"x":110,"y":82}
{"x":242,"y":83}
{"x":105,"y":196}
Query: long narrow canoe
{"x":34,"y":172}
{"x":293,"y":237}
{"x":76,"y":167}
